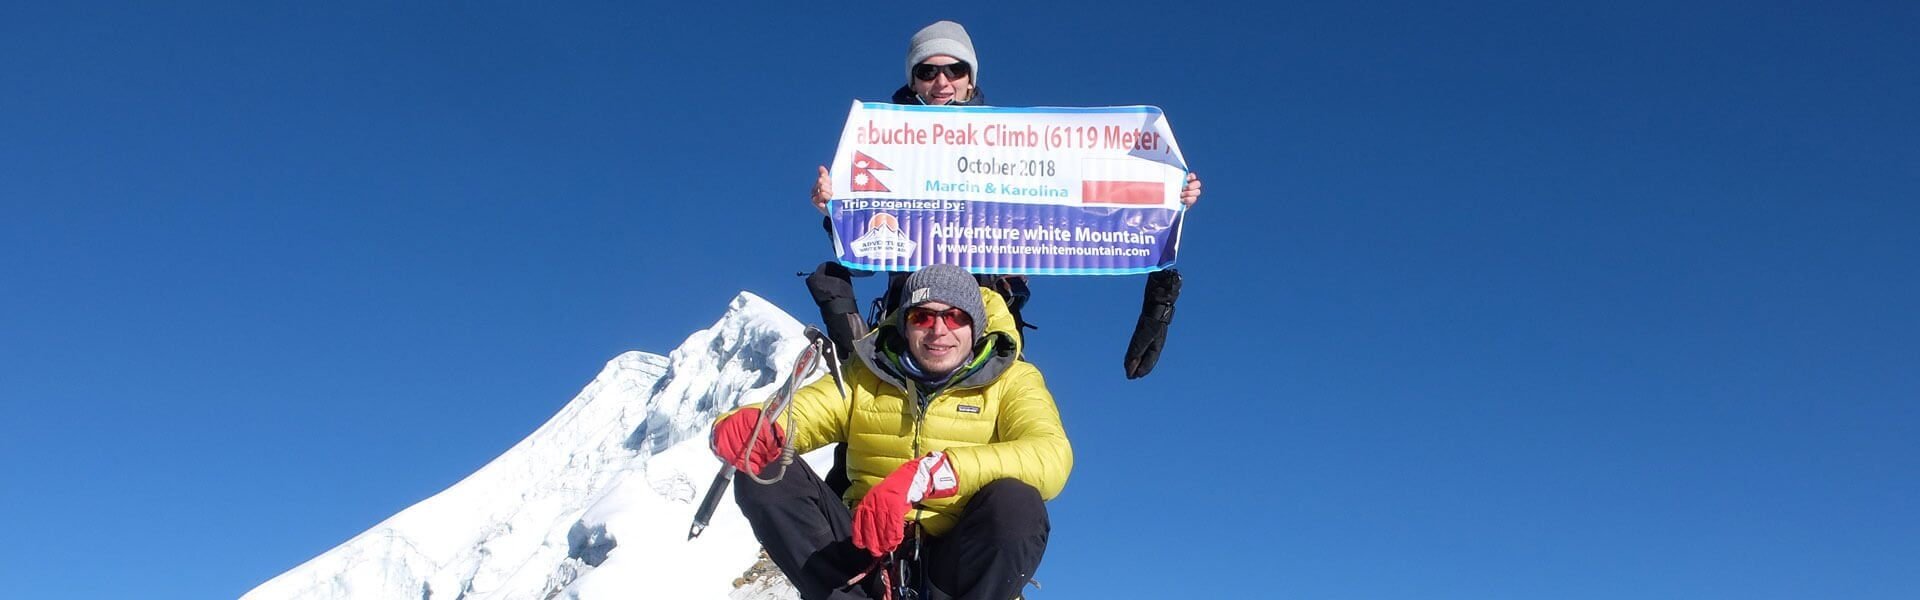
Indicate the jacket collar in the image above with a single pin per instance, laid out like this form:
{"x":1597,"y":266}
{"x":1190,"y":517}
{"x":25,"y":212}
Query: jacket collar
{"x":994,"y":353}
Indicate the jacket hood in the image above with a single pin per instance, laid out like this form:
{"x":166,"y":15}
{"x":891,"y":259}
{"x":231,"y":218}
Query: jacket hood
{"x":996,"y":350}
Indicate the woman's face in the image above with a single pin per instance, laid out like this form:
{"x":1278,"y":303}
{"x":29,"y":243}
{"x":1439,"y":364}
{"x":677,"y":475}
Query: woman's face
{"x":944,"y":87}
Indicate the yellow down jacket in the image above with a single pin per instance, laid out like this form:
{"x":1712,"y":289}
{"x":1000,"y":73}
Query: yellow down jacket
{"x":997,"y":421}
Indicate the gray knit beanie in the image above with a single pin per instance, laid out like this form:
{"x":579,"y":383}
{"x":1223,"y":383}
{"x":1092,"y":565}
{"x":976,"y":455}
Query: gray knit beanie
{"x":949,"y":285}
{"x":943,"y":37}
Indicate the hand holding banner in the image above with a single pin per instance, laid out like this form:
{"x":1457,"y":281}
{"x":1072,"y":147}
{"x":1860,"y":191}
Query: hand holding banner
{"x":1034,"y":191}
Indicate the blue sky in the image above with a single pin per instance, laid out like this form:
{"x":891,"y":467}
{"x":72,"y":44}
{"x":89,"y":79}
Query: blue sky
{"x":1500,"y":300}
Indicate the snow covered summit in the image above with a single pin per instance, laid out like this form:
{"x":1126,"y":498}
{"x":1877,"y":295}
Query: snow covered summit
{"x":593,"y":504}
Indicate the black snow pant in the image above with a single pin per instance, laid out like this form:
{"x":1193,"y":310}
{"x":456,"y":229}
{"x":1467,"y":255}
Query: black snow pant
{"x":989,"y":555}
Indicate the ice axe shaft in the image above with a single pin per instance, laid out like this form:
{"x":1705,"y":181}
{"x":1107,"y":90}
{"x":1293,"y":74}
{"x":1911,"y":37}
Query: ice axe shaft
{"x":818,"y":346}
{"x":712,"y":501}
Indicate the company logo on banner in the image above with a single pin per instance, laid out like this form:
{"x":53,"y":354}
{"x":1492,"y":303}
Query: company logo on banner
{"x":884,"y":239}
{"x":1082,"y":191}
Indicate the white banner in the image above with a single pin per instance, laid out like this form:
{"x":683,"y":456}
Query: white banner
{"x":1007,"y":190}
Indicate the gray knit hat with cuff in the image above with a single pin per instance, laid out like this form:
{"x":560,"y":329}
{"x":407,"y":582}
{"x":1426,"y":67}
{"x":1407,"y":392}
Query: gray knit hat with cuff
{"x":950,"y":285}
{"x":943,"y":37}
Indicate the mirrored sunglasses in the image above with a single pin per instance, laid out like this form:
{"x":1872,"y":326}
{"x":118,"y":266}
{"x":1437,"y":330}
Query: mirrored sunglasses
{"x":922,"y":317}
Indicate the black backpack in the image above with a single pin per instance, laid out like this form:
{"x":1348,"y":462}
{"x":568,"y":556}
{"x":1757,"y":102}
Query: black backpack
{"x":832,"y":288}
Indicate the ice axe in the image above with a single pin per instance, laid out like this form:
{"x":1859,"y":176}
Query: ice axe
{"x":819,"y":349}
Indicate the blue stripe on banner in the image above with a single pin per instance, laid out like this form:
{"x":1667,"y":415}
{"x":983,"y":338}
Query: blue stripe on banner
{"x":1007,"y":238}
{"x":1062,"y":271}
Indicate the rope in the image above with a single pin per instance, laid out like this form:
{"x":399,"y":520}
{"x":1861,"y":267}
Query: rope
{"x":822,"y":350}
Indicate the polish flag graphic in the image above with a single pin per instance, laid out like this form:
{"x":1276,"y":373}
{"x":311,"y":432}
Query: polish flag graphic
{"x":863,"y":168}
{"x":1107,"y":181}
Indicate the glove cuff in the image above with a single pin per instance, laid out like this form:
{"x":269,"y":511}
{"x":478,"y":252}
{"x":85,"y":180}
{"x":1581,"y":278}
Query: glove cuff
{"x":933,"y":477}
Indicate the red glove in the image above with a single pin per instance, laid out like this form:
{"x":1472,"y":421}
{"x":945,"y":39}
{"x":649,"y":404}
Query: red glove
{"x":880,"y":521}
{"x":730,"y":437}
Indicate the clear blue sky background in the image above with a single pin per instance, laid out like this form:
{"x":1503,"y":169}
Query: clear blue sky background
{"x":1503,"y":300}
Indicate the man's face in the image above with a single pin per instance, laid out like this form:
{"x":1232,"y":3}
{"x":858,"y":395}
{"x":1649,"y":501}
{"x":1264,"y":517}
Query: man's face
{"x":939,"y":336}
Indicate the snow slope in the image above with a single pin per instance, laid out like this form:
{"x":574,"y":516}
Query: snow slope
{"x":595,"y":503}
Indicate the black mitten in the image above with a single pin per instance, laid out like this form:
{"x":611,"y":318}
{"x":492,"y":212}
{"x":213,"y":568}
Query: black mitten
{"x":1150,"y":332}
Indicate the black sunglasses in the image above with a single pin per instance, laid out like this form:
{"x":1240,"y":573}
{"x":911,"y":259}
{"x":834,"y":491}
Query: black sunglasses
{"x":926,"y":72}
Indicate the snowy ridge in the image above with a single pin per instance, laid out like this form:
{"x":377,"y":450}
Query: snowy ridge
{"x":593,"y":504}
